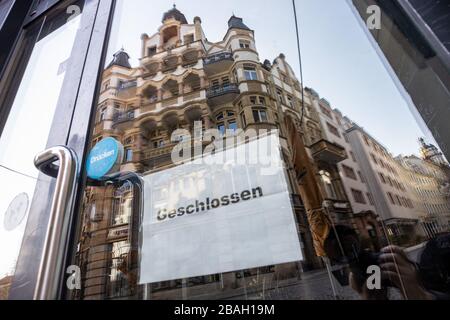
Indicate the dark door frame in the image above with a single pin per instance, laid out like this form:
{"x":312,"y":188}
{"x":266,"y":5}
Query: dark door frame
{"x":74,"y":117}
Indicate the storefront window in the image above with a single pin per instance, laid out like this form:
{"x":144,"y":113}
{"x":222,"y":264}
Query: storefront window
{"x":240,"y":150}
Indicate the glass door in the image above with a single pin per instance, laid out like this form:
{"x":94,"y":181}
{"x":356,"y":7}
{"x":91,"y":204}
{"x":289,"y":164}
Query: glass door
{"x":173,"y":76}
{"x":39,"y":91}
{"x":222,"y":150}
{"x":345,"y":198}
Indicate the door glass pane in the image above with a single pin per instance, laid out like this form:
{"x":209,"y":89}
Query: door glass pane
{"x":341,"y":115}
{"x":27,"y":130}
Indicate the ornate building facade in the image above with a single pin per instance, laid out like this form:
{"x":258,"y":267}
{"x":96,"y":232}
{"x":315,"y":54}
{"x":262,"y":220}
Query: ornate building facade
{"x":183,"y":78}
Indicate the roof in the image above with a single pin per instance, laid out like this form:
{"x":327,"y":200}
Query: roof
{"x":174,"y":13}
{"x":236,"y":22}
{"x":121,"y":59}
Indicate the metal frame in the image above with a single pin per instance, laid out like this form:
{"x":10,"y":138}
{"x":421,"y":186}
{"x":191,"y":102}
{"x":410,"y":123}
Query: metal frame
{"x":425,"y":30}
{"x":74,"y":116}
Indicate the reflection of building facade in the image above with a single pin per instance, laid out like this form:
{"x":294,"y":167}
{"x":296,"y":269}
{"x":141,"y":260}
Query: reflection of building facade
{"x":5,"y":284}
{"x":431,"y":153}
{"x":413,"y":42}
{"x":391,"y":197}
{"x":183,"y":78}
{"x":426,"y":180}
{"x":408,"y":194}
{"x":346,"y":182}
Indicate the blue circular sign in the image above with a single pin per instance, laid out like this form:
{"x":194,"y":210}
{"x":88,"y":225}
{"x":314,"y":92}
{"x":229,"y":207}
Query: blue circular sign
{"x":104,"y":158}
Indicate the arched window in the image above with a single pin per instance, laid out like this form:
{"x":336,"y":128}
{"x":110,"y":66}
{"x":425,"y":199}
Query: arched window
{"x":151,"y":94}
{"x":171,"y":89}
{"x":192,"y":83}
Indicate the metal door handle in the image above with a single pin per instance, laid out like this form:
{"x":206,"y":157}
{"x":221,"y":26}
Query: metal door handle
{"x":50,"y":268}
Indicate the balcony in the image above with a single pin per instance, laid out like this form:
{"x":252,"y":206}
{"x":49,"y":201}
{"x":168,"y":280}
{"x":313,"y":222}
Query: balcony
{"x":120,"y":119}
{"x":217,"y":63}
{"x":328,"y":152}
{"x":128,"y":85}
{"x":222,"y":94}
{"x":150,"y":153}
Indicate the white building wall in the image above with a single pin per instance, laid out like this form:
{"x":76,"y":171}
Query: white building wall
{"x":348,"y":183}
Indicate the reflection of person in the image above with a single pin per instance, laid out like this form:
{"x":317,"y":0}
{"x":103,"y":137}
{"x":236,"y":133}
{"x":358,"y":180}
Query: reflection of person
{"x":434,"y":267}
{"x":399,"y":272}
{"x":426,"y":280}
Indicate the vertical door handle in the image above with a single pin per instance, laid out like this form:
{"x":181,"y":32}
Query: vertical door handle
{"x":61,"y":163}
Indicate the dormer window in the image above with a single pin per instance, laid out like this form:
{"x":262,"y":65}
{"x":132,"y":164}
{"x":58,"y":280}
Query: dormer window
{"x":151,"y":51}
{"x":188,"y":38}
{"x":243,"y":44}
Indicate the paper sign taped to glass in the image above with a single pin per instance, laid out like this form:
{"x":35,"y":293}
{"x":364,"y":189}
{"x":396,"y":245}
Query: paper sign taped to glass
{"x":220,"y":213}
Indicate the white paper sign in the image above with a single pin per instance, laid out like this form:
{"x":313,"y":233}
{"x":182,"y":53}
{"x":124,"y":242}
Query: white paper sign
{"x":209,"y":217}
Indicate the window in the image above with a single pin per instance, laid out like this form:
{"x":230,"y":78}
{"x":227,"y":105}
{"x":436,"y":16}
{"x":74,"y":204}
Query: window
{"x":262,"y":101}
{"x":106,"y":85}
{"x":102,"y":115}
{"x":383,"y":179}
{"x":189,"y":38}
{"x":151,"y":51}
{"x":244,"y":121}
{"x":250,"y":73}
{"x":374,"y":158}
{"x":290,"y":101}
{"x":232,"y":125}
{"x":259,"y":115}
{"x":361,"y":177}
{"x":158,"y":144}
{"x":128,"y":155}
{"x":253,"y":100}
{"x":352,"y":155}
{"x":128,"y":140}
{"x":221,"y":128}
{"x":329,"y":187}
{"x":243,"y":44}
{"x":226,"y":120}
{"x":389,"y":181}
{"x":391,"y":198}
{"x":358,"y":196}
{"x":326,"y":112}
{"x":333,"y":130}
{"x":215,"y":84}
{"x":280,"y":96}
{"x":399,"y":202}
{"x":349,"y":172}
{"x":369,"y":196}
{"x":225,"y":81}
{"x":116,"y":111}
